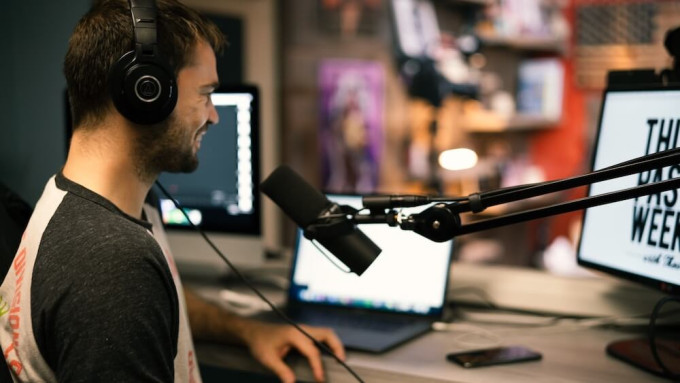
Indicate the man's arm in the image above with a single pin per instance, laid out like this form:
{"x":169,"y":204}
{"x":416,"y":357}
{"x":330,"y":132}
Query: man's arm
{"x":268,"y":343}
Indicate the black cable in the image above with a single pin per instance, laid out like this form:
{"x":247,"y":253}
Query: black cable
{"x":670,"y":152}
{"x":257,"y":292}
{"x":490,"y":305}
{"x":652,"y":336}
{"x":486,"y":303}
{"x":448,"y":199}
{"x":512,"y":189}
{"x":481,"y":293}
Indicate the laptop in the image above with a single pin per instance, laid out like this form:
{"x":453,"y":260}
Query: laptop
{"x":396,"y":299}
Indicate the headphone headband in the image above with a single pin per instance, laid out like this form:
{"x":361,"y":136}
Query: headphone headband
{"x":144,"y":26}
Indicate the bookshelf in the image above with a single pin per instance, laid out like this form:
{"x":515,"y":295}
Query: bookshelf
{"x":524,"y":54}
{"x":539,"y":44}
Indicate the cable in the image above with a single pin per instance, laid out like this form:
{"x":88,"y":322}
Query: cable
{"x":652,"y":336}
{"x":548,"y":319}
{"x":471,"y":335}
{"x":331,"y":260}
{"x":257,"y":292}
{"x":637,"y":165}
{"x":481,"y":293}
{"x":670,"y":153}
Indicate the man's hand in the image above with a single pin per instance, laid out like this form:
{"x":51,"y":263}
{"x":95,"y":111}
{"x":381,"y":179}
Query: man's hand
{"x":269,"y":344}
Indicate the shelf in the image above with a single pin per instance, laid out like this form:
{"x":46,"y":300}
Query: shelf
{"x":488,"y":122}
{"x":526,"y":43}
{"x":553,"y":3}
{"x":470,"y":2}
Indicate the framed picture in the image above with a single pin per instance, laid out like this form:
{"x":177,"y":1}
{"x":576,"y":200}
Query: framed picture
{"x":351,"y":129}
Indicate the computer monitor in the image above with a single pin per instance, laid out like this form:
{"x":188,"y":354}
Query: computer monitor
{"x":636,"y":239}
{"x":222,"y":195}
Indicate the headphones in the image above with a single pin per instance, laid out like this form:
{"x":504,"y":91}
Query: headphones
{"x":141,"y":84}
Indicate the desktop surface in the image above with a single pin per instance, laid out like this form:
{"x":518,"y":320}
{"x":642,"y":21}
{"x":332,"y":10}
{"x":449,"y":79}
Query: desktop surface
{"x":573,"y":350}
{"x":571,"y":353}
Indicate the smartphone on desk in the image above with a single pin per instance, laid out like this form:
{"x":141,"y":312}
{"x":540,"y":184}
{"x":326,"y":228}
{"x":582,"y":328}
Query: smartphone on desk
{"x":493,"y":356}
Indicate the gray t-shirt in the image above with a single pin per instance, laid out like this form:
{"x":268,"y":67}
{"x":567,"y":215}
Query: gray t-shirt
{"x":91,"y":296}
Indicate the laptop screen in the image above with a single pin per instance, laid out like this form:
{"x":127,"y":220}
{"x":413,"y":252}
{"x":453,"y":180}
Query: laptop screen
{"x":409,"y":276}
{"x":637,"y":239}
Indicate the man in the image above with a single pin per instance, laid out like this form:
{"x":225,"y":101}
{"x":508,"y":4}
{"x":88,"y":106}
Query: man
{"x":92,"y":294}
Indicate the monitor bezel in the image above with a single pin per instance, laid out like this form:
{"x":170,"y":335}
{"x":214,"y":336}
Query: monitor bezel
{"x":663,"y":286}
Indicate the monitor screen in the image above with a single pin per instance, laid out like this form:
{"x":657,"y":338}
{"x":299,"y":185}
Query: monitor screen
{"x":221,"y":195}
{"x":638,"y":239}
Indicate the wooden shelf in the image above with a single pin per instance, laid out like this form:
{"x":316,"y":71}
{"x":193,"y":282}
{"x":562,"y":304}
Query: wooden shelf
{"x":554,"y":3}
{"x":470,"y":2}
{"x":489,"y":122}
{"x":526,"y":43}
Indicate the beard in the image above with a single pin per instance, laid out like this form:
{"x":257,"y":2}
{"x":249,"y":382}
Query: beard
{"x":165,"y":147}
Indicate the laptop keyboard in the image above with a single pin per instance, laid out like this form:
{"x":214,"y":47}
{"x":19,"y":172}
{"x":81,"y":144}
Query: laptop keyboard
{"x":333,"y":319}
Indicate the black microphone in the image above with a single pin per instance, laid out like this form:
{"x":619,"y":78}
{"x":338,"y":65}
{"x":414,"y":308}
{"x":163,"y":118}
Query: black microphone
{"x":320,"y":219}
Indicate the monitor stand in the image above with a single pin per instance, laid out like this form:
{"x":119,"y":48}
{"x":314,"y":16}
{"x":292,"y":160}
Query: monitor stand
{"x":638,"y":353}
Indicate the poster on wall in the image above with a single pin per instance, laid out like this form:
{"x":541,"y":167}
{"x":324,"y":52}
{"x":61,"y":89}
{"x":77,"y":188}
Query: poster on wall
{"x":351,"y":129}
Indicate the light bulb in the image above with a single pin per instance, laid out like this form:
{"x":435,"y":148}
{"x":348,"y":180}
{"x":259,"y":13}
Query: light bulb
{"x":458,"y":159}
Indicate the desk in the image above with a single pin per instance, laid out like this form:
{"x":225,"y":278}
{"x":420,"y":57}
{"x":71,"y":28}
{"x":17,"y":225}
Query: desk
{"x":571,"y":351}
{"x":570,"y":354}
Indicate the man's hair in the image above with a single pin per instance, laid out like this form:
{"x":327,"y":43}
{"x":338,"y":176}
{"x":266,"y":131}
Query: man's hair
{"x":105,"y":33}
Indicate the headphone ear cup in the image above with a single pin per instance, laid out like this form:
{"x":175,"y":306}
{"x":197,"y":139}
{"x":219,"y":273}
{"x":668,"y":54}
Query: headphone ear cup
{"x":143,"y":92}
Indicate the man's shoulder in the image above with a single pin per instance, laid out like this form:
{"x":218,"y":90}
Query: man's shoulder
{"x":85,"y":240}
{"x":86,"y":227}
{"x":93,"y":254}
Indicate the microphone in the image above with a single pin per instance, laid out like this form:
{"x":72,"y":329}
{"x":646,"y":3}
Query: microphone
{"x":320,"y":219}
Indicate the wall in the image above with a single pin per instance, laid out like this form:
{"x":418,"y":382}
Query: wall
{"x":34,"y":39}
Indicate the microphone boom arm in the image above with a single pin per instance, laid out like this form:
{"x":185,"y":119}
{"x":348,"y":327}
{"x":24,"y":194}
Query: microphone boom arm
{"x":440,"y":232}
{"x":441,"y":222}
{"x":501,"y":196}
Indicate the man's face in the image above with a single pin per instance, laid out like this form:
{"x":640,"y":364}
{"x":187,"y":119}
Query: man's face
{"x":174,"y":146}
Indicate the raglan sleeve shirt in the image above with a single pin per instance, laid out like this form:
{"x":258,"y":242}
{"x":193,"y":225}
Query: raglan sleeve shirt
{"x":104,"y":307}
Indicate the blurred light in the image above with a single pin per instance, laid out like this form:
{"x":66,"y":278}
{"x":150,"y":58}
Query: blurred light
{"x":468,"y":44}
{"x":457,"y":159}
